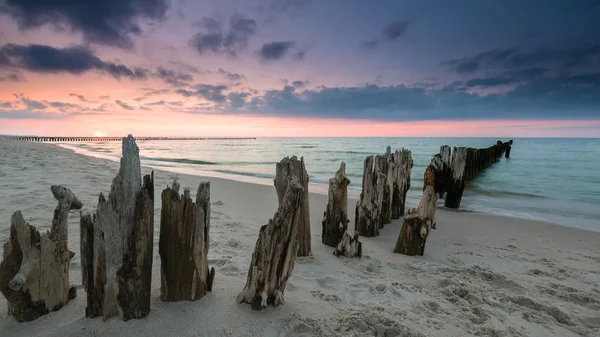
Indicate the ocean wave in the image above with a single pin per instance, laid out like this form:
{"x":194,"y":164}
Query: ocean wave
{"x":247,"y":174}
{"x":499,"y":193}
{"x":181,"y":161}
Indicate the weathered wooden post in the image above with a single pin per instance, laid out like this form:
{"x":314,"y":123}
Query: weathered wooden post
{"x":417,"y":224}
{"x":335,"y":219}
{"x":367,"y":219}
{"x":184,"y":243}
{"x":34,"y":274}
{"x":117,"y":243}
{"x":275,"y":251}
{"x":456,"y":185}
{"x":286,"y":168}
{"x":402,"y":167}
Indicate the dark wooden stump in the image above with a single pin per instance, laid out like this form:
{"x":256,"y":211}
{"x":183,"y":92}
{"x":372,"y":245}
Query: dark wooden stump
{"x":335,"y":219}
{"x":402,"y":167}
{"x":456,"y":185}
{"x":184,"y":243}
{"x":117,"y":243}
{"x":34,"y":273}
{"x":367,"y":220}
{"x":349,"y":246}
{"x":275,"y":252}
{"x":417,"y":224}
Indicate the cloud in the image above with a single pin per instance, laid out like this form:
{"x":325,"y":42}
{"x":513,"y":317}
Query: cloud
{"x":104,"y":97}
{"x":124,"y":105}
{"x":214,"y":39}
{"x":5,"y":104}
{"x":576,"y":57}
{"x":29,"y":103}
{"x":231,"y":76}
{"x":369,"y":45}
{"x":506,"y":78}
{"x":12,"y":77}
{"x":175,"y":78}
{"x":208,"y":92}
{"x":165,"y":103}
{"x":275,"y":50}
{"x":148,"y":92}
{"x":395,"y":30}
{"x":107,"y":22}
{"x":83,"y":99}
{"x":72,"y":60}
{"x":285,"y":6}
{"x":299,"y":84}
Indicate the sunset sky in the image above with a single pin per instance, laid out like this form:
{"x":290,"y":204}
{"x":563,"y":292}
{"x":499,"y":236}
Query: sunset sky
{"x":300,"y":68}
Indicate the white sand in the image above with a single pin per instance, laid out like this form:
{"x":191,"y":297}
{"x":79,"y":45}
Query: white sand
{"x":481,"y":275}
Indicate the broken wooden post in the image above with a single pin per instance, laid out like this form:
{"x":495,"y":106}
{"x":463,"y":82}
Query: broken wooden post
{"x":349,"y":246}
{"x":335,"y":219}
{"x":456,"y":184}
{"x":286,"y":168}
{"x":34,"y":274}
{"x":275,"y":251}
{"x":507,"y":147}
{"x":367,"y":220}
{"x":402,"y":166}
{"x":183,"y":244}
{"x":417,"y":224}
{"x":117,"y":244}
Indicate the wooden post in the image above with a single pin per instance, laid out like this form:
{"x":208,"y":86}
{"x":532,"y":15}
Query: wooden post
{"x":456,"y":185}
{"x":34,"y":274}
{"x":417,"y":224}
{"x":286,"y":168}
{"x":275,"y":251}
{"x":184,"y":243}
{"x":335,"y":219}
{"x":367,"y":219}
{"x":349,"y":246}
{"x":402,"y":167}
{"x":117,"y":243}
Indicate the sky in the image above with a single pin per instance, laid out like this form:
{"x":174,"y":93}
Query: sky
{"x":224,"y":68}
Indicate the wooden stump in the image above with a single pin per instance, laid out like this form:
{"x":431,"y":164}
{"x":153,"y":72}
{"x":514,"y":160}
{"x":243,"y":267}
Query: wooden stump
{"x":367,"y":220}
{"x":456,"y":184}
{"x":285,"y":169}
{"x":117,"y":243}
{"x":349,"y":246}
{"x":275,"y":252}
{"x":417,"y":224}
{"x":402,"y":166}
{"x":184,"y":243}
{"x":335,"y":219}
{"x":34,"y":274}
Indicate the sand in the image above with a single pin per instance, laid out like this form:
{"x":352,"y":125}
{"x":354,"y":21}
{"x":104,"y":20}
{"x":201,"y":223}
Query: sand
{"x":481,"y":275}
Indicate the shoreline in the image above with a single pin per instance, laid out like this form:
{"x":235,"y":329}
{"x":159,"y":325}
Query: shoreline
{"x":481,"y":275}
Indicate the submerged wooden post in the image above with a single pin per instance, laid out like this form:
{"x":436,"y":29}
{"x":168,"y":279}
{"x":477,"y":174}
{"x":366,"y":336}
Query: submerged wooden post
{"x":183,"y":244}
{"x":417,"y":224}
{"x":367,"y":220}
{"x":285,"y":169}
{"x":456,"y":184}
{"x":275,"y":251}
{"x":117,"y":244}
{"x":335,"y":219}
{"x":34,"y":274}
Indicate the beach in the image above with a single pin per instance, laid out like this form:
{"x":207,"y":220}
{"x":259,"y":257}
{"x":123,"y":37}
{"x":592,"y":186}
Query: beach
{"x":481,"y":275}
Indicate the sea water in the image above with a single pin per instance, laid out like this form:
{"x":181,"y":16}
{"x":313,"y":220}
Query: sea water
{"x":554,"y":180}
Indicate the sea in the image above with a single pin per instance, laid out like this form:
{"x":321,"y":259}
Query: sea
{"x":550,"y":179}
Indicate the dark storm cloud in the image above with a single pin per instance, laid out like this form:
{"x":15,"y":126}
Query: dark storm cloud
{"x":209,"y":92}
{"x":275,"y":50}
{"x":173,"y":77}
{"x":231,"y":76}
{"x":109,"y":22}
{"x":11,"y":77}
{"x":215,"y":39}
{"x":73,"y":60}
{"x":124,"y":105}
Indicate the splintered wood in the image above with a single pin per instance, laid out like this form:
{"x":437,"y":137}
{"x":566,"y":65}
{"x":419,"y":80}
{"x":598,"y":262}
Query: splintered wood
{"x":184,"y":243}
{"x":117,"y":243}
{"x":275,"y":251}
{"x":285,"y":169}
{"x":417,"y":224}
{"x":34,"y":274}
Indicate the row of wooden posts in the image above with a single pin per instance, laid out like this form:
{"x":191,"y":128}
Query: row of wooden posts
{"x":117,"y":239}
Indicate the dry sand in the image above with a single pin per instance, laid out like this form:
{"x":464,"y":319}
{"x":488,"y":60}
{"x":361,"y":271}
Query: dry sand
{"x":481,"y":275}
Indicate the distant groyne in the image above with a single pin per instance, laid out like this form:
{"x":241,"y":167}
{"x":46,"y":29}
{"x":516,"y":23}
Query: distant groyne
{"x":110,"y":139}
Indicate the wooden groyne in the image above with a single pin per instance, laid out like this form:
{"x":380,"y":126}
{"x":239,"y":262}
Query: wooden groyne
{"x":450,"y":170}
{"x":110,"y":139}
